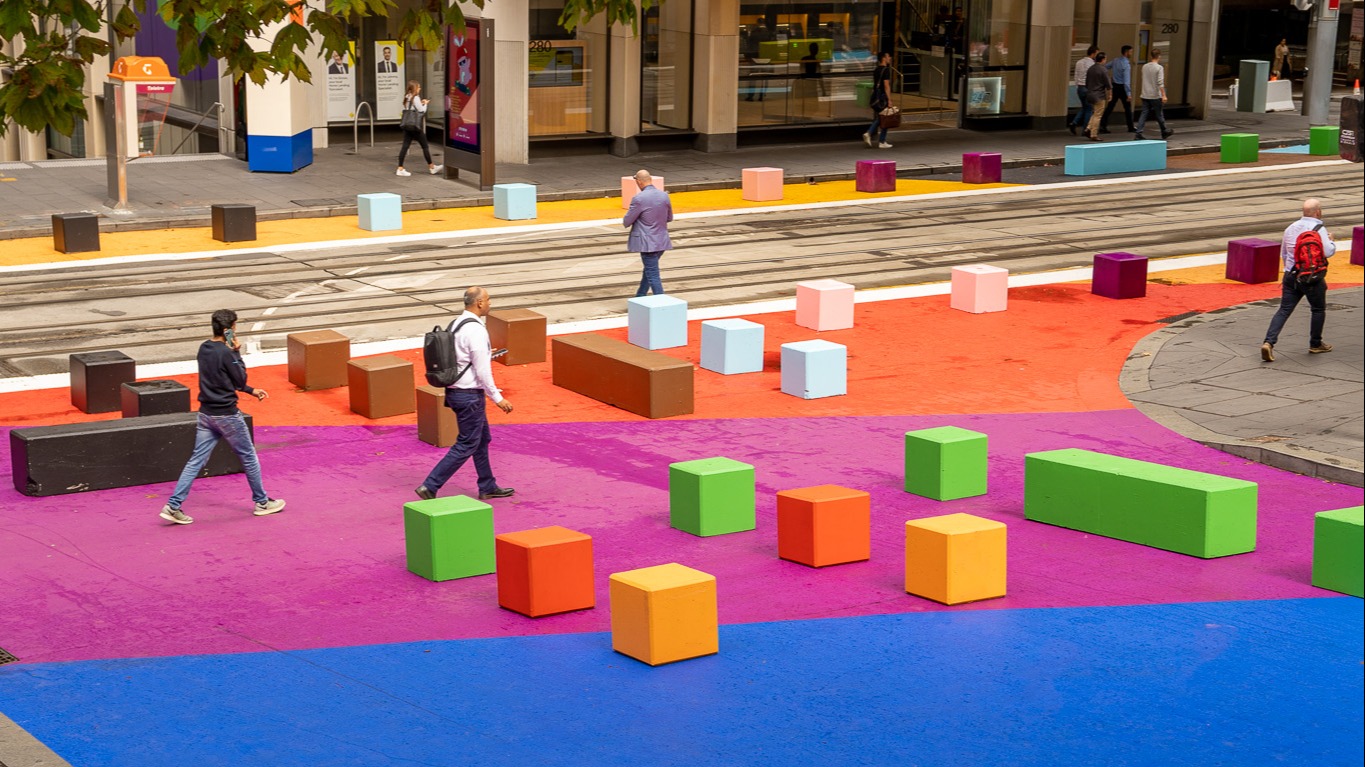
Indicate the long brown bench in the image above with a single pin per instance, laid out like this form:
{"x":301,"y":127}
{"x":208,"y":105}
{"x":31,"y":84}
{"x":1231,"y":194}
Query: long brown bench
{"x":643,"y":382}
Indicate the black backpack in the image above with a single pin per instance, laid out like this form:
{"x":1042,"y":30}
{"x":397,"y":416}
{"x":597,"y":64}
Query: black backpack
{"x":438,"y":354}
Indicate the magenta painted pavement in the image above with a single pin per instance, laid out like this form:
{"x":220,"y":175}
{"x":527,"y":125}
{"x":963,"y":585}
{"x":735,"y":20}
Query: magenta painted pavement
{"x":99,"y":575}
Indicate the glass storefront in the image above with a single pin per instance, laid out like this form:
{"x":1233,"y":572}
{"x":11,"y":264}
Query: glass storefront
{"x":566,"y":76}
{"x":666,"y":58}
{"x":997,"y":57}
{"x":807,"y":62}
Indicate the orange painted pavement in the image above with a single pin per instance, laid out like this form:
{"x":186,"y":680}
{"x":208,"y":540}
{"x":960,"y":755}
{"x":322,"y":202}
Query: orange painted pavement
{"x":1057,"y":349}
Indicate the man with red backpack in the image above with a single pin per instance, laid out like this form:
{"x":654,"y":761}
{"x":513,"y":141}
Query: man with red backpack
{"x":1305,"y":249}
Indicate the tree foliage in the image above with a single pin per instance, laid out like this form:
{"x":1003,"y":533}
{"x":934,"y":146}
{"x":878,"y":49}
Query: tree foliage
{"x":42,"y":80}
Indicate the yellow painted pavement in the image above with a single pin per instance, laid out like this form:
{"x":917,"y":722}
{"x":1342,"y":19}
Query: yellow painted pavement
{"x":38,"y":250}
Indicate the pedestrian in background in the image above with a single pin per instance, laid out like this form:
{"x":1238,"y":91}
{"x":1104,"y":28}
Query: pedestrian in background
{"x":1278,"y":71}
{"x":1307,"y":232}
{"x":1153,"y":96}
{"x":414,"y":110}
{"x":1121,"y":75}
{"x":1082,"y":69}
{"x":1098,"y":90}
{"x":648,"y":216}
{"x":473,"y":358}
{"x":221,"y":375}
{"x":881,"y":99}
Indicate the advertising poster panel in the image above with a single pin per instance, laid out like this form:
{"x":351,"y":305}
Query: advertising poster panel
{"x":341,"y":86}
{"x":462,"y":86}
{"x":389,"y":80}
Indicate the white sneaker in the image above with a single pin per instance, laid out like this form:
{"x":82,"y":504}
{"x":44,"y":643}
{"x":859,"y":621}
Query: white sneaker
{"x":175,"y":515}
{"x":403,"y":172}
{"x":867,"y":139}
{"x":436,"y":169}
{"x":883,"y":145}
{"x":271,"y":506}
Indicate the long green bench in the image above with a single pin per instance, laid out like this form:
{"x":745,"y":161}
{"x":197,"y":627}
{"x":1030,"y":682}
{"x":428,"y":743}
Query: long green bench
{"x":1189,"y":512}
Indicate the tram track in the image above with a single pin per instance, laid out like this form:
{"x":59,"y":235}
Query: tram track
{"x":387,"y":292}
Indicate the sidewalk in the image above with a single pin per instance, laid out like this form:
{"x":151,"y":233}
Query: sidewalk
{"x":1203,"y":377}
{"x":177,"y":191}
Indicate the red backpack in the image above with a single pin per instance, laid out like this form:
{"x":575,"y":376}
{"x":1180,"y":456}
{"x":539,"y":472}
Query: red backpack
{"x":1310,"y":261}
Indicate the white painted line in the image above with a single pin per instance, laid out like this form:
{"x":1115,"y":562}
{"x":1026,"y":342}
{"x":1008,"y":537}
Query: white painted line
{"x":871,"y":295}
{"x":269,"y":311}
{"x":255,"y":326}
{"x":614,"y":224}
{"x":357,"y":271}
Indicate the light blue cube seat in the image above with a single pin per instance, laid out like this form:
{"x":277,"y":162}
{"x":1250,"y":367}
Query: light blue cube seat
{"x":382,"y":212}
{"x":732,"y":346}
{"x":514,"y":202}
{"x":814,"y":369}
{"x":1115,"y":157}
{"x":656,"y":322}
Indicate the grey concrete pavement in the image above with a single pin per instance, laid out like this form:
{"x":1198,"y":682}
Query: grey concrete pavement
{"x":177,"y":190}
{"x":20,"y":749}
{"x":1203,"y":377}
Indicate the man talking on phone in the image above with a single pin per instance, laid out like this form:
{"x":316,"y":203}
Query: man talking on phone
{"x":473,"y":353}
{"x":221,"y":375}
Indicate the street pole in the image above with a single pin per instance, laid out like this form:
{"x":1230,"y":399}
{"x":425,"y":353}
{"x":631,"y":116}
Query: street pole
{"x":1322,"y":45}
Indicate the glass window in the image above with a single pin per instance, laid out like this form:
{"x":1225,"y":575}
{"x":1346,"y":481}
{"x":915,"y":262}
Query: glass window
{"x":997,"y":56}
{"x":807,"y":62}
{"x":1084,"y":32}
{"x":666,"y":57}
{"x":566,"y":76}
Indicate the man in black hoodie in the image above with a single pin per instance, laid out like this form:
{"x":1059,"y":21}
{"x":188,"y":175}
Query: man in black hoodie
{"x":221,"y":375}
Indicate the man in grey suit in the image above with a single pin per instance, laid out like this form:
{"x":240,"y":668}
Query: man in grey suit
{"x":648,"y":216}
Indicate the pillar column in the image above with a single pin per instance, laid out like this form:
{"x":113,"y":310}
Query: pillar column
{"x":1049,"y":62}
{"x":1203,"y":41}
{"x":715,"y":83}
{"x":624,"y":92}
{"x":512,"y":30}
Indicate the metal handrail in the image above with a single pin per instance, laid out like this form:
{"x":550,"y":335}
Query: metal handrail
{"x":215,"y":105}
{"x":355,"y":126}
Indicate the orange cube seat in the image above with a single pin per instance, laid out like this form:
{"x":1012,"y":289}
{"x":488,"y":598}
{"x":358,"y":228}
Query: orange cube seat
{"x":824,"y":525}
{"x":544,"y":571}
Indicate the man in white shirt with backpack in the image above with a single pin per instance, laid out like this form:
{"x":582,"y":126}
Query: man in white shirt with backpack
{"x":473,"y":358}
{"x":1304,"y":250}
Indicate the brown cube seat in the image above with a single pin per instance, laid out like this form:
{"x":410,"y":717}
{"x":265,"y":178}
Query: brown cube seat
{"x":436,"y":423}
{"x":380,"y":386}
{"x":521,"y":332}
{"x":644,"y":382}
{"x":317,"y":359}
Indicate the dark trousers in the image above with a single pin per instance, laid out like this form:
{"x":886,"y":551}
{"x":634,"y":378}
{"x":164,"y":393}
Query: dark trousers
{"x":649,"y":277}
{"x":410,"y":136}
{"x":1083,"y":116}
{"x":1120,"y":94}
{"x":468,"y":405}
{"x":1290,"y":293}
{"x":1152,"y":107}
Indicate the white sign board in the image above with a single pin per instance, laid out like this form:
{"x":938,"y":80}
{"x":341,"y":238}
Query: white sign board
{"x":389,"y":82}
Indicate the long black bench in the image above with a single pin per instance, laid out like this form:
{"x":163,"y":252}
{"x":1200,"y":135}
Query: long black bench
{"x":76,"y":457}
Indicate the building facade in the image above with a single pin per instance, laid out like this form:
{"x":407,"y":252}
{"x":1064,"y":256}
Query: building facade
{"x":709,"y":74}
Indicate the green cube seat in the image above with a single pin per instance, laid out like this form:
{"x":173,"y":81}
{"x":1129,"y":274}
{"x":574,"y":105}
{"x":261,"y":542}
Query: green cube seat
{"x":449,"y":538}
{"x":1240,"y":147}
{"x":711,"y":496}
{"x":1339,"y":550}
{"x":1324,"y":139}
{"x":945,"y":463}
{"x":1188,"y":512}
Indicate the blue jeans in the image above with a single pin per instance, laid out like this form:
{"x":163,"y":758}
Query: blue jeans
{"x":468,"y":405}
{"x":1151,"y":107}
{"x":210,"y":429}
{"x":1087,"y":108}
{"x":875,"y":126}
{"x":650,"y":279}
{"x":1290,"y":293}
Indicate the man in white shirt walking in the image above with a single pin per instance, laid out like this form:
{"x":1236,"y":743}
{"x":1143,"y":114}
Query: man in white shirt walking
{"x":1291,"y":290}
{"x":1153,"y":96}
{"x":1082,"y":69}
{"x":473,"y":356}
